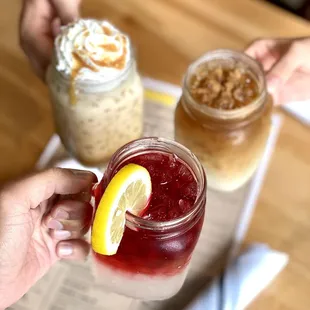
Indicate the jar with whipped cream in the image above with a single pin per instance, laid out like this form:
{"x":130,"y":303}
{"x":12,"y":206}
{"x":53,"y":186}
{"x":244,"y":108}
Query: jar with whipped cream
{"x":224,"y":116}
{"x":95,"y":89}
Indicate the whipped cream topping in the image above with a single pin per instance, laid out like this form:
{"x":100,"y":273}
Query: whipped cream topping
{"x":92,"y":50}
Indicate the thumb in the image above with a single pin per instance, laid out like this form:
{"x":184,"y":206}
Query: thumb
{"x":31,"y":191}
{"x":67,"y":10}
{"x":282,"y":70}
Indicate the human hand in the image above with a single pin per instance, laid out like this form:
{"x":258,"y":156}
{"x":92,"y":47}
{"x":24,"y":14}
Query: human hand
{"x":40,"y":22}
{"x":42,"y":219}
{"x":287,"y":67}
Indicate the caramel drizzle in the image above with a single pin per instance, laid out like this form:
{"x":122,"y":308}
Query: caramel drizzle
{"x":107,"y":30}
{"x":109,"y":47}
{"x":80,"y":63}
{"x":118,"y":63}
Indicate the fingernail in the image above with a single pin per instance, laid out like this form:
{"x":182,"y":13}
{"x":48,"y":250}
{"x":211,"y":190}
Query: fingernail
{"x":84,"y":174}
{"x":81,"y":173}
{"x":61,"y":215}
{"x":65,"y":249}
{"x":62,"y":234}
{"x":54,"y":224}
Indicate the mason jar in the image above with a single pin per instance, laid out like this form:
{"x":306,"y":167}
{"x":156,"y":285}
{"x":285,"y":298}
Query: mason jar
{"x":94,"y":119}
{"x":153,"y":257}
{"x":228,"y":142}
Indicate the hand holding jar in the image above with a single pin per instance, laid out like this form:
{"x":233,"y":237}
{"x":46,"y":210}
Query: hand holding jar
{"x":43,"y":218}
{"x":287,"y":67}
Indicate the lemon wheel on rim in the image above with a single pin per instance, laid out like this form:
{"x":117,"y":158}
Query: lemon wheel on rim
{"x":129,"y":190}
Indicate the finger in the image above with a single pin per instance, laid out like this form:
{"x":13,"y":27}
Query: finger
{"x":73,"y":249}
{"x":68,"y":11}
{"x":38,"y":63}
{"x":31,"y":191}
{"x":261,"y":51}
{"x":296,"y":89}
{"x":35,"y":34}
{"x":257,"y":48}
{"x":38,"y":48}
{"x":56,"y":23}
{"x":69,"y":215}
{"x":283,"y":69}
{"x":68,"y":234}
{"x":81,"y":196}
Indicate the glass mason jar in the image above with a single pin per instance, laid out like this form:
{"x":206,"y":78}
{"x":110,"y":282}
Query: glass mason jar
{"x":94,"y":119}
{"x":153,"y":258}
{"x":229,"y":143}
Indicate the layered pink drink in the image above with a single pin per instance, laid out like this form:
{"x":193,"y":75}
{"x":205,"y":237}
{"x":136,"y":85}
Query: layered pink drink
{"x":154,"y":254}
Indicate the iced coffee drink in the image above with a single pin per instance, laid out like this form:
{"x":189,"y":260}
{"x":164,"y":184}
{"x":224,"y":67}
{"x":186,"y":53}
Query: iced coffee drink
{"x":224,"y":116}
{"x":96,"y":92}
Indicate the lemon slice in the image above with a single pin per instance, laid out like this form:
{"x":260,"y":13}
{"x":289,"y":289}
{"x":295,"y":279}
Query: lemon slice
{"x":130,"y":189}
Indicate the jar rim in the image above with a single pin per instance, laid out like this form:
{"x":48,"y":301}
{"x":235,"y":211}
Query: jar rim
{"x":202,"y":183}
{"x":227,"y":54}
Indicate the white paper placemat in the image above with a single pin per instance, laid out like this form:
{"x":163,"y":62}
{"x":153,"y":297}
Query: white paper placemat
{"x":70,"y":285}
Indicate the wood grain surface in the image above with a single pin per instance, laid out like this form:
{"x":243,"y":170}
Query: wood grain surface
{"x":169,"y":35}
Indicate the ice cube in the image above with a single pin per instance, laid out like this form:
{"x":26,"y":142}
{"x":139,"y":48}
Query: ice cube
{"x":184,"y":205}
{"x":190,"y":190}
{"x":239,"y":94}
{"x":184,"y":175}
{"x":166,"y":178}
{"x":172,"y":160}
{"x":151,"y":169}
{"x":172,"y":214}
{"x":155,"y":157}
{"x":182,"y":171}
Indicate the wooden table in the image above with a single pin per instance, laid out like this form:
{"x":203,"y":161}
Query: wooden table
{"x":169,"y":34}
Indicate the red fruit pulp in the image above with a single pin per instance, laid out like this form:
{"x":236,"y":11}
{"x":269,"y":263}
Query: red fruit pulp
{"x":174,"y":191}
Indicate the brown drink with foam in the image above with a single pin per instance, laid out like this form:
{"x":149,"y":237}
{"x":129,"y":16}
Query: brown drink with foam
{"x":224,"y":116}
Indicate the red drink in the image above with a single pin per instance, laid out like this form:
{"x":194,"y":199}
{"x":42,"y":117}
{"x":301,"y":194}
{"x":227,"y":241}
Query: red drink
{"x":157,"y":246}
